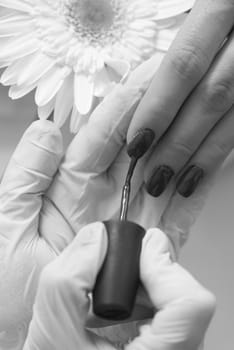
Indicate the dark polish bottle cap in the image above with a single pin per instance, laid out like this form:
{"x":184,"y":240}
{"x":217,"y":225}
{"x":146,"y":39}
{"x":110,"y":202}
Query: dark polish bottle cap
{"x":116,"y":286}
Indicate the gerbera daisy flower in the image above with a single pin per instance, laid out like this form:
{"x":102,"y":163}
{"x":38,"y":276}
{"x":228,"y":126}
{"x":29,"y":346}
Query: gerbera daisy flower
{"x":74,"y":51}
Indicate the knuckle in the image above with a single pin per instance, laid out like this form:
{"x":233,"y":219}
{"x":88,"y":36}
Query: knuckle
{"x":183,"y":148}
{"x":221,"y":149}
{"x":216,"y":153}
{"x":189,"y":62}
{"x":40,"y":130}
{"x":158,"y":115}
{"x":218,"y":97}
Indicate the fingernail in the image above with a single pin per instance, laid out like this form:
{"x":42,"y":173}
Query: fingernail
{"x":189,"y":181}
{"x":140,"y":143}
{"x":159,"y":180}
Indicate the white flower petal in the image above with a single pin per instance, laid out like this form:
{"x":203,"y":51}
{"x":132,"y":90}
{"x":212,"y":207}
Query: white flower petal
{"x":83,"y":93}
{"x":12,"y":19}
{"x":20,"y":5}
{"x":5,"y":12}
{"x":16,"y":91}
{"x":14,"y":24}
{"x":170,"y":8}
{"x":140,"y":11}
{"x":45,"y":111}
{"x":117,"y":70}
{"x":145,"y":73}
{"x":11,"y":74}
{"x":45,"y":45}
{"x":50,"y":84}
{"x":166,"y":36}
{"x":135,"y":53}
{"x":17,"y":47}
{"x":102,"y":83}
{"x":142,"y":42}
{"x":77,"y":121}
{"x":121,"y":67}
{"x":170,"y":23}
{"x":129,"y":54}
{"x":164,"y":40}
{"x":113,"y":75}
{"x":38,"y":65}
{"x":166,"y":22}
{"x":64,"y":101}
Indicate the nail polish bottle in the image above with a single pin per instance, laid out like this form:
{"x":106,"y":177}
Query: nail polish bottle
{"x":118,"y":280}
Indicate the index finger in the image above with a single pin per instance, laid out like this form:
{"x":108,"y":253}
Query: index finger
{"x":185,"y":64}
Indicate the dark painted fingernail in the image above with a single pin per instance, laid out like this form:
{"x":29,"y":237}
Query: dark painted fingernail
{"x":189,"y":181}
{"x":159,"y":180}
{"x":140,"y":143}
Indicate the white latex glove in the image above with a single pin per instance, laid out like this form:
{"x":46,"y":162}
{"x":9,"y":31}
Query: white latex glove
{"x":36,"y":224}
{"x":62,"y":303}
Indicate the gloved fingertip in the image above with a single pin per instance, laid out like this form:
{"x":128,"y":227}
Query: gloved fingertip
{"x":93,"y":238}
{"x":92,"y":233}
{"x":46,"y":134}
{"x":155,"y":241}
{"x":40,"y":149}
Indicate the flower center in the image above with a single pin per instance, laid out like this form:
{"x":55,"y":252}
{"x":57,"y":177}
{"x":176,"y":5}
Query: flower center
{"x":96,"y":20}
{"x":94,"y":14}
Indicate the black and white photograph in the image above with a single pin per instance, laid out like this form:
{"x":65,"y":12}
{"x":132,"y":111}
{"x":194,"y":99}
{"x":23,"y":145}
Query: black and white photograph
{"x":116,"y":174}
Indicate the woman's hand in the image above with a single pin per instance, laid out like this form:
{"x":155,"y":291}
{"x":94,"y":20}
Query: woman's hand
{"x":189,"y":103}
{"x":184,"y":307}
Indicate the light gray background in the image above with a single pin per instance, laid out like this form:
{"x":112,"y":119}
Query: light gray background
{"x":209,"y":253}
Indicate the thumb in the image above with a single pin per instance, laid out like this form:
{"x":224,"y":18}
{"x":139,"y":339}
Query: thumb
{"x":185,"y":307}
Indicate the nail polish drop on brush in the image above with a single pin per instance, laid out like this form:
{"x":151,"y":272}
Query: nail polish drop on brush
{"x":116,"y":286}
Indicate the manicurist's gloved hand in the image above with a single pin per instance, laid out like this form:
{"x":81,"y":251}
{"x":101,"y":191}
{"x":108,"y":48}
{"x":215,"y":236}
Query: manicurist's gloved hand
{"x":62,"y":303}
{"x":45,"y":199}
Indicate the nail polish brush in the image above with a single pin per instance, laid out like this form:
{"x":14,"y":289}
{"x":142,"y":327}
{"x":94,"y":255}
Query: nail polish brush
{"x":118,"y":280}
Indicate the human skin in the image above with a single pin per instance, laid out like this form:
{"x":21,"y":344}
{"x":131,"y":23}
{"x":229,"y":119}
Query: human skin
{"x":189,"y":102}
{"x":41,"y":192}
